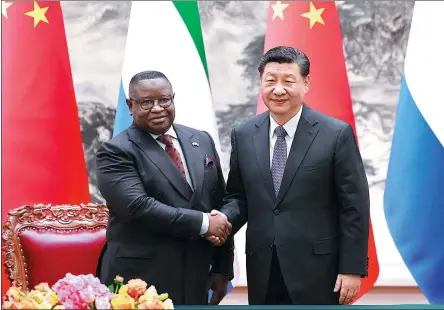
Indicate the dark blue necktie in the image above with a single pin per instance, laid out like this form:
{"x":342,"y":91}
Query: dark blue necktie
{"x":279,"y":158}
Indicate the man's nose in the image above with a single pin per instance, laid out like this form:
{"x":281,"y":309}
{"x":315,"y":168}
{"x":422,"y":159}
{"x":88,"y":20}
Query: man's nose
{"x":156,"y":107}
{"x":279,"y":90}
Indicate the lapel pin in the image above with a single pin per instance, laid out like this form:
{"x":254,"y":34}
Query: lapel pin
{"x":195,"y":144}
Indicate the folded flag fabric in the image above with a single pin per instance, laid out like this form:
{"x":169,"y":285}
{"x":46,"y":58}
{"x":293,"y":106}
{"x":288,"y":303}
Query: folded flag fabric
{"x":42,"y":153}
{"x":414,"y":193}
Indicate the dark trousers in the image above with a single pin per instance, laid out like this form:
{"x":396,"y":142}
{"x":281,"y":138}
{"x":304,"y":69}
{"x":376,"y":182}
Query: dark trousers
{"x":277,"y":293}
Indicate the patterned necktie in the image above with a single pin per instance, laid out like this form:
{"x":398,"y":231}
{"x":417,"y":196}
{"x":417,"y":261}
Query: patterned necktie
{"x":279,"y":158}
{"x":172,"y":152}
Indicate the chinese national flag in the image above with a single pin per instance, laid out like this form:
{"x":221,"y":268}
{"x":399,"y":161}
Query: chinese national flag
{"x":42,"y":154}
{"x":313,"y":27}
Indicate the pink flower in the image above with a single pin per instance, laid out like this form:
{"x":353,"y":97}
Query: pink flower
{"x":80,"y":292}
{"x":102,"y":303}
{"x":87,"y":295}
{"x":136,"y":288}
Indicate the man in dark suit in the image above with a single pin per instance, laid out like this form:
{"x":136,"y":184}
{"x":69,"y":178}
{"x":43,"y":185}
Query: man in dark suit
{"x":161,"y":181}
{"x":297,"y":177}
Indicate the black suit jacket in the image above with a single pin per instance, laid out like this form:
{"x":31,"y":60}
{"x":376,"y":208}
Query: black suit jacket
{"x":318,"y":223}
{"x":155,"y":217}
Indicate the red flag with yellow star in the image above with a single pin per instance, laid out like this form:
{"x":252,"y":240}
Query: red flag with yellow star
{"x":314,"y":28}
{"x":42,"y":154}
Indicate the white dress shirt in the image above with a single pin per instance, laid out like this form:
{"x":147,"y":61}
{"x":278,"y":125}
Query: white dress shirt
{"x":290,"y":127}
{"x":172,"y":133}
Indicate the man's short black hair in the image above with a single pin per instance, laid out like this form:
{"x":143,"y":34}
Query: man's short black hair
{"x":147,"y":75}
{"x":286,"y":54}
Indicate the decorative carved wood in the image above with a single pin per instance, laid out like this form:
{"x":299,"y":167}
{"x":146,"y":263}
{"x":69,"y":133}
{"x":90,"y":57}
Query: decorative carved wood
{"x":44,"y":217}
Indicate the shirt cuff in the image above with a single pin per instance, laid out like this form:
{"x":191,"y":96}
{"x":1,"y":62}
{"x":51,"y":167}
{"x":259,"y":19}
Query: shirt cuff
{"x":205,"y":224}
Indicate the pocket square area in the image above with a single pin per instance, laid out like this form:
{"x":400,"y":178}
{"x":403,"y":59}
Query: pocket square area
{"x":208,"y":161}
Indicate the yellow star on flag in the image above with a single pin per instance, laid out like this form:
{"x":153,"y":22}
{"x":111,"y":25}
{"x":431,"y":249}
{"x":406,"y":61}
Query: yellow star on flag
{"x":38,"y":14}
{"x":5,"y":6}
{"x":314,"y":15}
{"x":278,"y":9}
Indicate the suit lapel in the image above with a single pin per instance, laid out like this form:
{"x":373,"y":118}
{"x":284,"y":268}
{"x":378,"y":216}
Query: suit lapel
{"x":262,"y":149}
{"x":193,"y":157}
{"x":160,"y":158}
{"x":304,"y":136}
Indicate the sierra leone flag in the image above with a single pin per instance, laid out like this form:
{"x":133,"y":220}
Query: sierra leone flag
{"x":166,"y":36}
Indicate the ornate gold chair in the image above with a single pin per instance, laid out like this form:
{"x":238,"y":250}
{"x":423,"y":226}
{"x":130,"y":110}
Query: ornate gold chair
{"x":41,"y":243}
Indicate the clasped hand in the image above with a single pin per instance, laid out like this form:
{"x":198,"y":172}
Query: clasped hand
{"x":219,"y":228}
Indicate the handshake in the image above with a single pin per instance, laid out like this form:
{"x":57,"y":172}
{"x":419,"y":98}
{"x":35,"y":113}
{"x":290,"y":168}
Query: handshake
{"x":219,"y":228}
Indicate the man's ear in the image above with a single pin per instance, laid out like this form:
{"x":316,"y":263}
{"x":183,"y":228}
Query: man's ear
{"x":129,"y":103}
{"x":307,"y":82}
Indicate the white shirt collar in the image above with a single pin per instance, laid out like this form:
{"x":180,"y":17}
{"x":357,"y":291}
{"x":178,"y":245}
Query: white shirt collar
{"x":170,"y":132}
{"x":290,"y":126}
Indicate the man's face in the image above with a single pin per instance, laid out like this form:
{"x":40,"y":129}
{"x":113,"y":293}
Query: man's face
{"x":283,"y":88}
{"x":148,"y":105}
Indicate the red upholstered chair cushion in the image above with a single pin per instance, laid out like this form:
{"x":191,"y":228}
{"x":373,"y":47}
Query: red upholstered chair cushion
{"x":49,"y":255}
{"x":42,"y":243}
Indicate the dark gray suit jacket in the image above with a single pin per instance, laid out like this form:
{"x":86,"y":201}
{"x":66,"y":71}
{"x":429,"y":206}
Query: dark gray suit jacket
{"x":155,"y":217}
{"x":320,"y":220}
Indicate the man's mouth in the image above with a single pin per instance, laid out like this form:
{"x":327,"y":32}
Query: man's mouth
{"x":159,"y":119}
{"x":279,"y":101}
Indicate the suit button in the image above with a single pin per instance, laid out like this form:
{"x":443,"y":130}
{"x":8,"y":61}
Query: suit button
{"x":276,"y":211}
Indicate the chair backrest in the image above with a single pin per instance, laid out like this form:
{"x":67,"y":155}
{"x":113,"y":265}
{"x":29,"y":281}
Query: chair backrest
{"x":41,"y":243}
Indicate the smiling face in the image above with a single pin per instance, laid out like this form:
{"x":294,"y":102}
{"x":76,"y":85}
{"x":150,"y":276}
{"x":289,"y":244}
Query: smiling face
{"x":151,"y":104}
{"x":283,"y":89}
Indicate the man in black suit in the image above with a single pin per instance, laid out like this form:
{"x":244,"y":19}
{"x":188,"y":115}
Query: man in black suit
{"x":297,"y":177}
{"x":161,"y":181}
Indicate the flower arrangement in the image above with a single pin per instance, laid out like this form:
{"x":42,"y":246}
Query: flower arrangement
{"x":136,"y":295}
{"x":86,"y":292}
{"x":41,"y":297}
